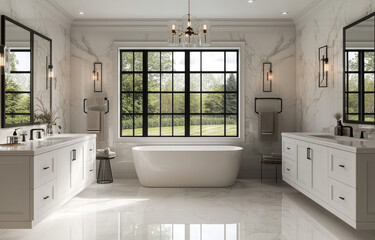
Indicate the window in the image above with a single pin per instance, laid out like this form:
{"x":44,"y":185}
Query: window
{"x":18,"y":88}
{"x":182,"y":93}
{"x":359,"y":86}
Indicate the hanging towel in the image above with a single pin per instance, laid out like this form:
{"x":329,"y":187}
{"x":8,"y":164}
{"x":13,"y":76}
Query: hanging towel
{"x":94,"y":121}
{"x":267,"y":123}
{"x":96,"y":104}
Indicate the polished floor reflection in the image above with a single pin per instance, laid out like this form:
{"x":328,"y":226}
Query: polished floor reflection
{"x":125,"y":210}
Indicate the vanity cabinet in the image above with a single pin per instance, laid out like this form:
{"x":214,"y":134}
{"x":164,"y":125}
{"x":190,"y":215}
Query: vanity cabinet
{"x":338,"y":177}
{"x":39,"y":177}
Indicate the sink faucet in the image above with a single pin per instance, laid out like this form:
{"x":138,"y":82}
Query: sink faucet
{"x":350,"y":129}
{"x":32,"y":132}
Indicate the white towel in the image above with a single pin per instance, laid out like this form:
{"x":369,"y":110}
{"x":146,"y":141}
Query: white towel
{"x":93,"y":121}
{"x":267,"y":122}
{"x":96,"y":104}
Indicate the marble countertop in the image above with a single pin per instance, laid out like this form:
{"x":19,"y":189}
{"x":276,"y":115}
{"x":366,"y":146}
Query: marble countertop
{"x":339,"y":142}
{"x":36,"y":147}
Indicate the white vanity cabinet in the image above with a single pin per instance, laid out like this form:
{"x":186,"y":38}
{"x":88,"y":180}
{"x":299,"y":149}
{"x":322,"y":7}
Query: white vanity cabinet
{"x":40,"y":176}
{"x":337,"y":174}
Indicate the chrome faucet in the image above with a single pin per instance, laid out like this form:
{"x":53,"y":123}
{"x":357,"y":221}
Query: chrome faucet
{"x":32,"y":133}
{"x":350,"y":129}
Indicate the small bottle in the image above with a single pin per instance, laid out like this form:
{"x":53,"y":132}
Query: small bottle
{"x":15,"y":136}
{"x":338,"y":128}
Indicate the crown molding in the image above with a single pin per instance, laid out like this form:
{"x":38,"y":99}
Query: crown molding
{"x":55,"y":10}
{"x":314,"y":5}
{"x":156,"y":24}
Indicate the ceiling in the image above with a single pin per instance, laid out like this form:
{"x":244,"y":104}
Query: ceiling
{"x":128,"y":9}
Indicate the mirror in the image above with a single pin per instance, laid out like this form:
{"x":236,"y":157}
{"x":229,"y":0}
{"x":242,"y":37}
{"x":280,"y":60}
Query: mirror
{"x":24,"y":77}
{"x":359,"y":91}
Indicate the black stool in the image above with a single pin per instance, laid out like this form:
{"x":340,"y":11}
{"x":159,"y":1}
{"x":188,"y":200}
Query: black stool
{"x":105,"y":171}
{"x":270,"y":160}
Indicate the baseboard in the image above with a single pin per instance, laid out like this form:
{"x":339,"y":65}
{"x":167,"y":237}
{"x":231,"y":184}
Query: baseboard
{"x":241,"y":175}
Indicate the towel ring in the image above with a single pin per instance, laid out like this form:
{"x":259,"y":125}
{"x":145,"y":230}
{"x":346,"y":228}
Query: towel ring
{"x":256,"y":99}
{"x":84,"y":105}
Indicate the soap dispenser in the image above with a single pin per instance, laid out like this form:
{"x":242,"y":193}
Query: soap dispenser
{"x":338,"y":128}
{"x":13,"y":139}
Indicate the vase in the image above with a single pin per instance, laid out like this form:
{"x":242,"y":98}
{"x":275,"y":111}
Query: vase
{"x":49,"y":130}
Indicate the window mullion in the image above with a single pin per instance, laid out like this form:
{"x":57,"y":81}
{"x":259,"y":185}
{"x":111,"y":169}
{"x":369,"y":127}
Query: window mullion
{"x":145,"y":94}
{"x":187,"y":93}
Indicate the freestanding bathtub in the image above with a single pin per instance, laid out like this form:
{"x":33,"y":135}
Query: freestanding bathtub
{"x":187,"y":166}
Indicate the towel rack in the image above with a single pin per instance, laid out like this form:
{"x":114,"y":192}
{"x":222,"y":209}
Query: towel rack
{"x":84,"y":105}
{"x":281,"y":102}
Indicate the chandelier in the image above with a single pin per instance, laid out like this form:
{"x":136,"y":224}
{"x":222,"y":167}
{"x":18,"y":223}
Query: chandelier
{"x":189,"y":32}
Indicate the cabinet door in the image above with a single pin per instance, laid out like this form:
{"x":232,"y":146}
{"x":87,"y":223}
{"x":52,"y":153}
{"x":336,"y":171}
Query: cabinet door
{"x":76,"y":154}
{"x":63,"y":158}
{"x":304,"y":165}
{"x":319,"y":159}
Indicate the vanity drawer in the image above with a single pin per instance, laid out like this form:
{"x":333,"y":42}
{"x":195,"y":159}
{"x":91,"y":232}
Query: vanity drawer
{"x":90,"y":171}
{"x":342,"y":167}
{"x":289,"y":148}
{"x":343,"y":198}
{"x":90,"y":150}
{"x":44,"y":198}
{"x":44,"y":168}
{"x":289,"y":170}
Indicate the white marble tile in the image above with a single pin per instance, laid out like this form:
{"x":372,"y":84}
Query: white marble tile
{"x":249,"y":210}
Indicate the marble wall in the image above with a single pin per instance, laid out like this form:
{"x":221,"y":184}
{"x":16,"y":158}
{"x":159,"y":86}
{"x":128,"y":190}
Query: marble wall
{"x":272,"y":41}
{"x":42,"y":17}
{"x":319,"y":26}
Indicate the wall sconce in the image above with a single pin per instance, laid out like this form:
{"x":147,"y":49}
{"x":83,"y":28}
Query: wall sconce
{"x":97,"y":77}
{"x":323,"y":66}
{"x":267,"y":77}
{"x":2,"y":56}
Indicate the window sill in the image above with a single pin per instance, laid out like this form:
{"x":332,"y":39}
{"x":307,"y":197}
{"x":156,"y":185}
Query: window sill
{"x":182,"y":140}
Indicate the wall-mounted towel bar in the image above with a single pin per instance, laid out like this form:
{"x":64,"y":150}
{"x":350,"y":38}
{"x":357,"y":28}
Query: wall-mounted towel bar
{"x":281,"y":103}
{"x":84,"y":105}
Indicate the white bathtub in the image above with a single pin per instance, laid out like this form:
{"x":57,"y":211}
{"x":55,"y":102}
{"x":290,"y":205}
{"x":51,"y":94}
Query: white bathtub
{"x":187,"y":166}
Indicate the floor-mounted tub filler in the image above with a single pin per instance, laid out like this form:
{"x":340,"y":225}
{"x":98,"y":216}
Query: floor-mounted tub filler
{"x":187,"y":166}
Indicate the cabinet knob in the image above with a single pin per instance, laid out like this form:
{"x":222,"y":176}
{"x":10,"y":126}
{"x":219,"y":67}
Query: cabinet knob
{"x":343,"y":166}
{"x":46,"y":197}
{"x":342,"y":198}
{"x":288,"y":148}
{"x":288,"y":169}
{"x":91,"y":170}
{"x":45,"y":168}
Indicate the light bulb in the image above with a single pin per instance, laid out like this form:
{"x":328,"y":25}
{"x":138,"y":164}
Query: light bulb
{"x":204,"y":27}
{"x":173,"y":27}
{"x":94,"y":76}
{"x":270,"y":75}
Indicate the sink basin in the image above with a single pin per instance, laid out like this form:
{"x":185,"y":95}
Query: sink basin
{"x":326,"y":136}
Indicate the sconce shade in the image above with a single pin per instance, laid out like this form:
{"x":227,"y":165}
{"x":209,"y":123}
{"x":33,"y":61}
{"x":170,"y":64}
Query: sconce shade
{"x":50,"y":71}
{"x":2,"y":56}
{"x":267,"y":77}
{"x":97,"y":76}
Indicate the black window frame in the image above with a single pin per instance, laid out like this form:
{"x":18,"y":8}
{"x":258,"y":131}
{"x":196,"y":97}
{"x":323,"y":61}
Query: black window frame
{"x":361,"y":72}
{"x":30,"y":92}
{"x":187,"y":114}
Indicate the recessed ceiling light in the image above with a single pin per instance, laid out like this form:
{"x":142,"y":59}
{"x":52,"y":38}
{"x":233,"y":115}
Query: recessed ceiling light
{"x":251,"y":1}
{"x":284,"y":13}
{"x":81,"y":13}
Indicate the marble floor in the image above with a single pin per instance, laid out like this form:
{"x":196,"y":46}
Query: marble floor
{"x":249,"y":210}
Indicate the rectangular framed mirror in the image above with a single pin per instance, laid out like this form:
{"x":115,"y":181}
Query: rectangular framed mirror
{"x":359,"y":71}
{"x":25,"y":83}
